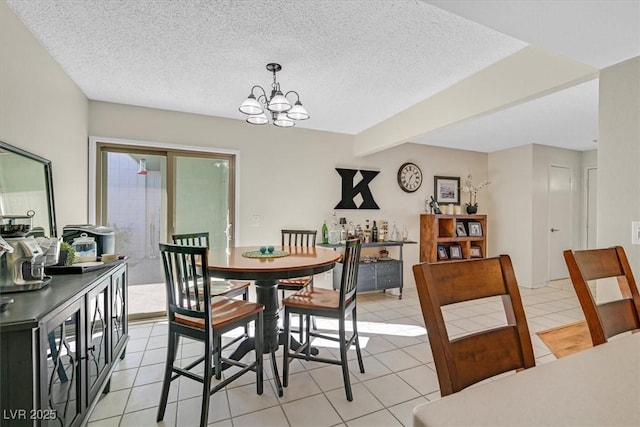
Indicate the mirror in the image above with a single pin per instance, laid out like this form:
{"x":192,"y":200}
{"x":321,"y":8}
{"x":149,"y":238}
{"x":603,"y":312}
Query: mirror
{"x":26,"y":184}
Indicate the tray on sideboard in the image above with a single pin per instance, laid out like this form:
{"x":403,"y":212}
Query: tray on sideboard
{"x":79,"y":269}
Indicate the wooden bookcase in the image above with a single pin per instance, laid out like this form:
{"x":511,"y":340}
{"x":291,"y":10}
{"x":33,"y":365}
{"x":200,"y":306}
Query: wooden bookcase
{"x":438,"y":230}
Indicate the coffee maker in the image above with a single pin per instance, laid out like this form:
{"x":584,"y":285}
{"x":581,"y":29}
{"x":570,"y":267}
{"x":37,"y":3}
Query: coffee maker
{"x":22,"y":265}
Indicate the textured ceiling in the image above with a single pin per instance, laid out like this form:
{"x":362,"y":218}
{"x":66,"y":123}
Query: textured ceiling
{"x":355,"y":63}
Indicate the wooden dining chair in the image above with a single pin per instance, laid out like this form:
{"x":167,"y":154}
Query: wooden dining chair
{"x":466,"y":360}
{"x":225,"y":288}
{"x":193,"y":314}
{"x":329,"y":303}
{"x":220,"y":288}
{"x":300,"y":238}
{"x":614,"y":317}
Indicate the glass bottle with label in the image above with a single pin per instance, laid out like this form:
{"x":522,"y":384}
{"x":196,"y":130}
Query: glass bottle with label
{"x":325,"y":233}
{"x":374,"y":232}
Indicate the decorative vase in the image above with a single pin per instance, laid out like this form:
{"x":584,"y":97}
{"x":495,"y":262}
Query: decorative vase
{"x":471,"y":209}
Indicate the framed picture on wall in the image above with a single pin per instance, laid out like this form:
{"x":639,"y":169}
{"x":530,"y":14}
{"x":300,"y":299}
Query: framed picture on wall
{"x":447,"y":189}
{"x":455,"y":251}
{"x":442,"y":252}
{"x":475,"y":229}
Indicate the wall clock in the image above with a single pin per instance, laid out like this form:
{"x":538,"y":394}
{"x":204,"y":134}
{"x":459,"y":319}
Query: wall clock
{"x":409,"y":177}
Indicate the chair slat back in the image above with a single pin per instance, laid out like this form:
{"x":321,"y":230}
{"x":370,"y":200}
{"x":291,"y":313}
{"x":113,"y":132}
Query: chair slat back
{"x":192,"y":239}
{"x":299,"y":237}
{"x":187,"y":293}
{"x":350,"y":266}
{"x":467,"y":360}
{"x":613,"y":317}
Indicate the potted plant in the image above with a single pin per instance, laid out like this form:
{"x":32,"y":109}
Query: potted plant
{"x":472,"y":205}
{"x":67,"y":254}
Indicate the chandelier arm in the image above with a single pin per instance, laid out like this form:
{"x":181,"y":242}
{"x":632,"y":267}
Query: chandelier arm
{"x":292,"y":91}
{"x":264,"y":93}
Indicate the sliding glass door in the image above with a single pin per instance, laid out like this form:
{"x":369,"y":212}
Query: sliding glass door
{"x":146,"y":195}
{"x":202,"y":193}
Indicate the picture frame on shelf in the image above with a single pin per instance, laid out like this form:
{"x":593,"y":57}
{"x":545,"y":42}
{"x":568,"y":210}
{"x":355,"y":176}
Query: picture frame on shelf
{"x":475,"y":252}
{"x":475,"y":229}
{"x":442,"y":252}
{"x":446,"y":189}
{"x":455,"y":251}
{"x":460,"y":230}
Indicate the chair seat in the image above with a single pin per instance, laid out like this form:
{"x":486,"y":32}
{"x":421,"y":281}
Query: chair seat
{"x":224,"y":312}
{"x":314,"y":298}
{"x":294,"y":284}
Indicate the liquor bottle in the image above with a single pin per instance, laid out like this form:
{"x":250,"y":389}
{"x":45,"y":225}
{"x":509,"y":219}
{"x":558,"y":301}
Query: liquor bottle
{"x":325,"y":233}
{"x":374,"y":232}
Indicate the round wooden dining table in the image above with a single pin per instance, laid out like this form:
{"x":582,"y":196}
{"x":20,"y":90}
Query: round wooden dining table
{"x":232,"y":263}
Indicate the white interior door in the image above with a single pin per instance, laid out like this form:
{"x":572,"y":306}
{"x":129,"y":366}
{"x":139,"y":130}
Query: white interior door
{"x":559,"y":220}
{"x":592,"y":191}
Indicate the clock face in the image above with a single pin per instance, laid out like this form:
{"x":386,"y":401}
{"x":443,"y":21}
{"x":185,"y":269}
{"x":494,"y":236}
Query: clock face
{"x":409,"y":177}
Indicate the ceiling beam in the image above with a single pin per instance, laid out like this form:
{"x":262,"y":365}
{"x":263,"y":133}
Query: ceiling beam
{"x":528,"y":74}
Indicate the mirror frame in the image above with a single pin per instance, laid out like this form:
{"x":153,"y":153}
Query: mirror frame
{"x":48,"y":178}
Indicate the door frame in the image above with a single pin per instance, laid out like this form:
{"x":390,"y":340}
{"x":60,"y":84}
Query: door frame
{"x":130,"y":144}
{"x":585,"y":205}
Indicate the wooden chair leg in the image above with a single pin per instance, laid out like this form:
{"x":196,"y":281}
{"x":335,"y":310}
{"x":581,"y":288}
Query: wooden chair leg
{"x":285,"y":357}
{"x":206,"y":383}
{"x":245,"y":298}
{"x":166,"y":382}
{"x":343,"y":359}
{"x":308,"y":340}
{"x":357,"y":340}
{"x":301,"y":326}
{"x":217,"y":354}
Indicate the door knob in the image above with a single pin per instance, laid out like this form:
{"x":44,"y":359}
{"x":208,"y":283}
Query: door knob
{"x":554,"y":229}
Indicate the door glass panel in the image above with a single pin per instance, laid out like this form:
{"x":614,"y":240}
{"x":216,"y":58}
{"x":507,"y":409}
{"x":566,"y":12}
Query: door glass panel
{"x":63,"y":387}
{"x":180,"y":193}
{"x":134,"y":205}
{"x":202,"y":198}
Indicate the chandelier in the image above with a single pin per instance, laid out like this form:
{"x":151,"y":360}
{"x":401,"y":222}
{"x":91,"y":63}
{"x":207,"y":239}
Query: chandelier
{"x":282,"y":112}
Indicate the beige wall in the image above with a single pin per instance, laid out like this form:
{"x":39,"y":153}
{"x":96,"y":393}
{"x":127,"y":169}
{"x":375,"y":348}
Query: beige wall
{"x":619,"y":157}
{"x":287,"y":177}
{"x":44,"y":112}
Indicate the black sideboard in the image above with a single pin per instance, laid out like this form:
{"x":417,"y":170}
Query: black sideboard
{"x":59,"y":346}
{"x":375,"y":276}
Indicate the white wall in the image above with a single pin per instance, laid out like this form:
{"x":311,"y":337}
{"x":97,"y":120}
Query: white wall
{"x":619,"y":157}
{"x":511,"y":211}
{"x":520,"y":206}
{"x":287,"y":177}
{"x":44,"y":112}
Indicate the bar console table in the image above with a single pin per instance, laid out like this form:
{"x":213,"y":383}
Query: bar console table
{"x":59,"y":346}
{"x":375,"y":276}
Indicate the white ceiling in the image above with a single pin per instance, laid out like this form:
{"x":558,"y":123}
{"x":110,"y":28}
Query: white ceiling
{"x":354,"y":63}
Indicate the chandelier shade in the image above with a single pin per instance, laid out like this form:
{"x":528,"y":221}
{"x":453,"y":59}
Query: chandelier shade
{"x":279,"y":103}
{"x":283,"y":112}
{"x":258,"y":119}
{"x":283,"y":121}
{"x":251,"y":106}
{"x":298,"y":112}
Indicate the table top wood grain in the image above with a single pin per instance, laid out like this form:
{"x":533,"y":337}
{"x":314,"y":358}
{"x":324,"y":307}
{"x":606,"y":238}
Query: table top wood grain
{"x":301,"y":261}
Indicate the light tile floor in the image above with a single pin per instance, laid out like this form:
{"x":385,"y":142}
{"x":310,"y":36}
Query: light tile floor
{"x":400,"y":373}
